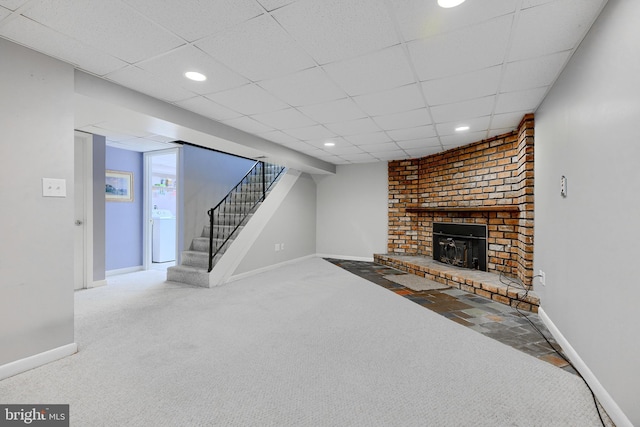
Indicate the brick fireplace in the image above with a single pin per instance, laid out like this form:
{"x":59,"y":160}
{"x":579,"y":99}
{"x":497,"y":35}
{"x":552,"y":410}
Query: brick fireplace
{"x":488,"y":183}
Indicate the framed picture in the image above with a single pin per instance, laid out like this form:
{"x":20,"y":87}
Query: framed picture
{"x":119,"y":186}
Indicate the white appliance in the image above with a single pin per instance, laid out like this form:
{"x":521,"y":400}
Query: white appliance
{"x":164,"y":236}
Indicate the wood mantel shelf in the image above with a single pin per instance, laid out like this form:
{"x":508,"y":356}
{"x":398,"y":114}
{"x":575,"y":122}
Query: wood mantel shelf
{"x":496,"y":208}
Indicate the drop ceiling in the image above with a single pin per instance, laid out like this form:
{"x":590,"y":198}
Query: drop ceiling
{"x":382,"y":79}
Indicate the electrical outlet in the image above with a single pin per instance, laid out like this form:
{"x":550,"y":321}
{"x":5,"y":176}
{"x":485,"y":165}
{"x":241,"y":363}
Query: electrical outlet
{"x":277,"y":247}
{"x":542,"y":277}
{"x":282,"y":246}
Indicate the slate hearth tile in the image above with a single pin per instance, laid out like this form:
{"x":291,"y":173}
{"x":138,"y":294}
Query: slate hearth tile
{"x":554,"y":360}
{"x":461,"y":321}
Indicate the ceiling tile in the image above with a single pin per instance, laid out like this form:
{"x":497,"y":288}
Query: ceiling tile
{"x":45,"y":40}
{"x":331,"y":30}
{"x":531,"y":3}
{"x":310,"y":133}
{"x":280,"y":137}
{"x":274,"y":4}
{"x":194,"y":19}
{"x":208,"y":108}
{"x":419,"y":143}
{"x":392,"y":155}
{"x":407,"y":119}
{"x":378,"y":71}
{"x":333,"y":111}
{"x":249,"y":125}
{"x":338,"y":141}
{"x":463,"y":110}
{"x":527,"y":100}
{"x":422,"y":152}
{"x":418,"y":132}
{"x":310,"y":86}
{"x":471,"y":48}
{"x":145,"y":82}
{"x":377,"y":148}
{"x":463,"y":87}
{"x":359,"y":158}
{"x":507,"y":120}
{"x":344,"y":149}
{"x":91,"y":20}
{"x":475,"y":125}
{"x":248,"y":99}
{"x":532,"y":73}
{"x":452,"y":141}
{"x":12,"y":4}
{"x":557,"y":25}
{"x":420,"y":19}
{"x":368,"y":138}
{"x":404,"y":98}
{"x":284,"y":119}
{"x":353,"y":127}
{"x":172,"y":66}
{"x":258,"y":49}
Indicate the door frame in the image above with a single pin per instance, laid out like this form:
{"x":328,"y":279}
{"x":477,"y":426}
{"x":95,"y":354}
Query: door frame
{"x":147,"y":217}
{"x":87,"y":177}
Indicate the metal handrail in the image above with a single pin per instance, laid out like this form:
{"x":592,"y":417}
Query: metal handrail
{"x":244,"y":197}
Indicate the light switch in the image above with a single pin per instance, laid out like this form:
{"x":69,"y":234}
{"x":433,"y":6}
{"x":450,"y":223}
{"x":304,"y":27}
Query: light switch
{"x":52,"y":187}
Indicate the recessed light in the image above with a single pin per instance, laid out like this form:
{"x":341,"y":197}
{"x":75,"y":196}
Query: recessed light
{"x":195,"y":76}
{"x":450,"y":3}
{"x":329,"y":144}
{"x":462,"y":128}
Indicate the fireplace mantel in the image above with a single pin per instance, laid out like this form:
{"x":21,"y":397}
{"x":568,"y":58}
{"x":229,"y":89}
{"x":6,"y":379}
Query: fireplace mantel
{"x":496,"y":208}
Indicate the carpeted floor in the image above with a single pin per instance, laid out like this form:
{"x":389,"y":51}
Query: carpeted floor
{"x":308,"y":344}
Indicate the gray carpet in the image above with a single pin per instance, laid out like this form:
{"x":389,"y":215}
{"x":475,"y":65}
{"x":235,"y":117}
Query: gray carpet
{"x":308,"y":344}
{"x":415,"y":283}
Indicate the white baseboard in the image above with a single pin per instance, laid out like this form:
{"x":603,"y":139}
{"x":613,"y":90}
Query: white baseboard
{"x":123,"y":271}
{"x":97,"y":283}
{"x":267,"y":268}
{"x":23,"y":365}
{"x":346,"y":257}
{"x":605,"y":399}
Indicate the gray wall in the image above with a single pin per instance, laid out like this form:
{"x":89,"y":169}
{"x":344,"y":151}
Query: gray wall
{"x":587,"y":243}
{"x":352,"y":211}
{"x":99,"y":208}
{"x":294,"y":224}
{"x":36,"y":254}
{"x":205,"y":178}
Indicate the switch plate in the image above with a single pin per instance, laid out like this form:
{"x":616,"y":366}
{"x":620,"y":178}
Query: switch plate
{"x":277,"y":247}
{"x":53,"y":187}
{"x":543,"y":277}
{"x":282,"y":246}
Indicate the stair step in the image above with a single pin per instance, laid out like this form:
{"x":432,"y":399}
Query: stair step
{"x":189,"y":275}
{"x":201,"y":244}
{"x":198,"y":259}
{"x":220,"y":231}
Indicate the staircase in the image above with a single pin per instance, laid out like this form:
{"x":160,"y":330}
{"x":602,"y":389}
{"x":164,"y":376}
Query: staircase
{"x":227,"y":220}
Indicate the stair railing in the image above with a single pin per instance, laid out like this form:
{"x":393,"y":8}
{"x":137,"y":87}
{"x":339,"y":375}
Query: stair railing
{"x":227,"y":216}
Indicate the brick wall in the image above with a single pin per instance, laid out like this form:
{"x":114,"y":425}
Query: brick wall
{"x":488,"y":182}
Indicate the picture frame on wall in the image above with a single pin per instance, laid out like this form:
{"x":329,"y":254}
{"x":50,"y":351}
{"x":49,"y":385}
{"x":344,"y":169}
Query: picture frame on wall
{"x":119,"y":186}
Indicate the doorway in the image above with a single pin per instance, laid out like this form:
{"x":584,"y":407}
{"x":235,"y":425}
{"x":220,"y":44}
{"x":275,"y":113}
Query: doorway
{"x":161,"y":208}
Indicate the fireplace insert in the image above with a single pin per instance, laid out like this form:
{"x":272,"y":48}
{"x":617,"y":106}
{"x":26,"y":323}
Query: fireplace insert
{"x":461,"y":245}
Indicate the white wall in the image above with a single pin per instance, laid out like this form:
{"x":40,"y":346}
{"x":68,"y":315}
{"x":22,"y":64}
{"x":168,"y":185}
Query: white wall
{"x":352,"y":211}
{"x":293,"y":223}
{"x":36,"y":253}
{"x":587,"y":243}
